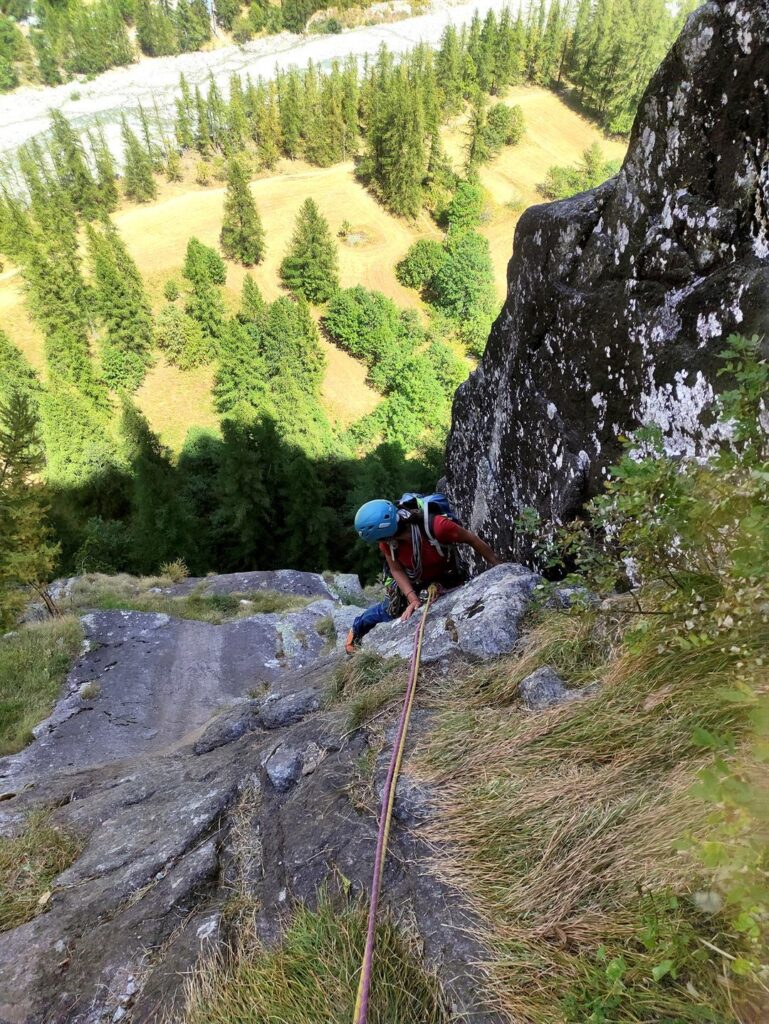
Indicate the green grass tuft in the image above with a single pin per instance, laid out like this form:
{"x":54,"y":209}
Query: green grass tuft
{"x":34,"y":663}
{"x":312,"y":977}
{"x":365,"y":684}
{"x":29,"y":863}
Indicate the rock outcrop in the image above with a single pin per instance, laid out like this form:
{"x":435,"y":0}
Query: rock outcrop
{"x":620,"y":299}
{"x":193,"y":761}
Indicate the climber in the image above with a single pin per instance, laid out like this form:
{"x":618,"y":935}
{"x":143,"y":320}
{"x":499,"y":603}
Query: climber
{"x":413,"y":548}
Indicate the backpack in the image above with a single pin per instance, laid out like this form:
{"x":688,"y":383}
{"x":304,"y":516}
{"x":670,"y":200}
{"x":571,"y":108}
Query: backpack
{"x":423,"y":508}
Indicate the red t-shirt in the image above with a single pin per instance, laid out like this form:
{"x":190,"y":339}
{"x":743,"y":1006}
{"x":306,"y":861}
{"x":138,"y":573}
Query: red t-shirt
{"x":433,"y":565}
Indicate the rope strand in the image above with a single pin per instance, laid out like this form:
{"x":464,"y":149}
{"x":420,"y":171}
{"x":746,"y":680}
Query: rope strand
{"x":385,"y":817}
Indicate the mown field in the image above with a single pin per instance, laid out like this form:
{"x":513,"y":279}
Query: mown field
{"x":157,"y":234}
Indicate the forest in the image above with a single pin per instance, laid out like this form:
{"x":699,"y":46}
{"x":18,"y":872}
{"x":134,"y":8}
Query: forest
{"x":277,"y":484}
{"x":607,"y":48}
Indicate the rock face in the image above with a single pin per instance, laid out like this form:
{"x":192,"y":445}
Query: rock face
{"x":620,"y":299}
{"x":480,"y":620}
{"x":194,"y":761}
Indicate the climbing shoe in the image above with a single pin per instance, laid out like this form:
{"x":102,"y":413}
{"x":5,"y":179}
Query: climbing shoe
{"x":352,"y":643}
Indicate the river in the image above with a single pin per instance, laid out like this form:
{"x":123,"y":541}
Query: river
{"x":24,"y":113}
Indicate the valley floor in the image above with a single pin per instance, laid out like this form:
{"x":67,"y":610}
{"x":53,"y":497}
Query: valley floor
{"x":157,"y":234}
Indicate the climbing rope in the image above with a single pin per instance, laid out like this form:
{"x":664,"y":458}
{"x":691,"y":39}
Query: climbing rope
{"x":385,"y":817}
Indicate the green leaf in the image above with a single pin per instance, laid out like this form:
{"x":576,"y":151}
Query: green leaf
{"x":662,"y":969}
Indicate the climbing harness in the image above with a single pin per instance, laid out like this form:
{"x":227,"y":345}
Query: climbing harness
{"x":360,"y":1015}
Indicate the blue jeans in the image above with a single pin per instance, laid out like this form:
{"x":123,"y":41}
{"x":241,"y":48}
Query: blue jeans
{"x":371,"y":617}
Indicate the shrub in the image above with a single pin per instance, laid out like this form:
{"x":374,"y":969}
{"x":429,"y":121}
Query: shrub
{"x":593,"y":170}
{"x":421,"y":263}
{"x":171,"y":291}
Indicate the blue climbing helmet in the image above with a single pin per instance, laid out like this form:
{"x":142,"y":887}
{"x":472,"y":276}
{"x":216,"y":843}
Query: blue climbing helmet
{"x":377,"y":520}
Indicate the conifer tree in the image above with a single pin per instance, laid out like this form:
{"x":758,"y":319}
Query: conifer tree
{"x":241,"y":378}
{"x":183,"y":125}
{"x":242,"y":235}
{"x":291,"y":352}
{"x":310,"y":268}
{"x":180,"y":338}
{"x":204,"y":303}
{"x":122,"y":303}
{"x":253,"y":308}
{"x":290,"y":111}
{"x":193,"y":25}
{"x":72,"y":167}
{"x":202,"y":128}
{"x":155,"y":28}
{"x":159,"y":522}
{"x":403,"y":159}
{"x":203,"y":262}
{"x":449,"y":64}
{"x":79,"y":442}
{"x":106,"y":172}
{"x":27,"y":554}
{"x":16,"y":375}
{"x":138,"y":181}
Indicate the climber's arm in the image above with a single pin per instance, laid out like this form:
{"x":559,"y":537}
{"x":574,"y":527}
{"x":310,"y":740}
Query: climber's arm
{"x":404,"y":583}
{"x":480,"y":547}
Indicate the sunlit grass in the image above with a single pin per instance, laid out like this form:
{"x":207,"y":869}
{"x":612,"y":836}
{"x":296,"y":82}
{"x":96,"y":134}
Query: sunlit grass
{"x":33,"y":665}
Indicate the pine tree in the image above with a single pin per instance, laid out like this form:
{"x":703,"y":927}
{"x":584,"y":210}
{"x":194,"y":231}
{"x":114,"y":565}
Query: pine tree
{"x":204,"y":303}
{"x":478,"y":151}
{"x":106,"y":172}
{"x":449,"y":64}
{"x":27,"y":554}
{"x":241,"y":378}
{"x":57,"y":294}
{"x":236,"y":131}
{"x":242,"y":235}
{"x":290,"y":109}
{"x":291,"y":352}
{"x":202,"y":130}
{"x":78,"y":437}
{"x":180,"y":338}
{"x":138,"y":181}
{"x":403,"y":159}
{"x":310,"y":268}
{"x":253,"y":308}
{"x":201,"y":262}
{"x":193,"y":25}
{"x":268,"y":134}
{"x":184,"y":116}
{"x":71,"y":166}
{"x":159,"y":522}
{"x":16,"y":375}
{"x":122,"y":303}
{"x":155,"y":28}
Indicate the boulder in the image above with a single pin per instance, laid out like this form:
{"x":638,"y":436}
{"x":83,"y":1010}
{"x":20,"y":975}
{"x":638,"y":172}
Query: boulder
{"x":620,"y":299}
{"x":544,"y":688}
{"x":479,"y":620}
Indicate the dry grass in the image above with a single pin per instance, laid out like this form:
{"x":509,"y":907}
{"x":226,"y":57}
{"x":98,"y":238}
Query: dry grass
{"x":29,"y":864}
{"x":132,"y":593}
{"x":311,"y":978}
{"x":563,"y":823}
{"x":34,"y":662}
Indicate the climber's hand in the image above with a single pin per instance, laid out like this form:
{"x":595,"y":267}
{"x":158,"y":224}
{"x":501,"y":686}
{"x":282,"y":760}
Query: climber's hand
{"x":414,"y":605}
